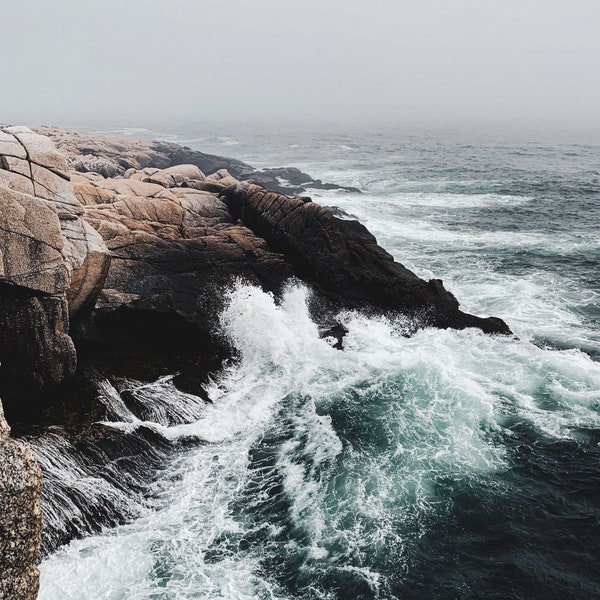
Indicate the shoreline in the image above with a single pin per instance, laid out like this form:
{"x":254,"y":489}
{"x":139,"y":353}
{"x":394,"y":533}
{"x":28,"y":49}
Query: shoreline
{"x":128,"y":245}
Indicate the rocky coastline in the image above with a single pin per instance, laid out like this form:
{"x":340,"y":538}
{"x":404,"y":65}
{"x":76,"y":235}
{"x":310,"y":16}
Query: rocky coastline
{"x":115,"y":255}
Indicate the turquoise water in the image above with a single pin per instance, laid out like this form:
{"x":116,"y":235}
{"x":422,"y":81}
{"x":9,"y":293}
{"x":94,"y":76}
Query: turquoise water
{"x":443,"y":465}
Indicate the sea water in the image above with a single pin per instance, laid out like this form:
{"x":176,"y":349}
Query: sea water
{"x":447,"y":464}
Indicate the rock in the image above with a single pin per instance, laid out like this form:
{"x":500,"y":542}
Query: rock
{"x":173,"y":250}
{"x":109,"y":157}
{"x":36,"y":351}
{"x":343,"y":259}
{"x":85,"y":256}
{"x":112,"y":157}
{"x":178,"y":176}
{"x":336,"y":332}
{"x":10,"y":146}
{"x":338,"y":212}
{"x":291,"y":178}
{"x":15,"y":181}
{"x":40,"y":150}
{"x":89,"y":163}
{"x":20,"y":518}
{"x":129,"y":259}
{"x":47,"y":254}
{"x":88,"y":278}
{"x":31,"y":244}
{"x":223,"y":177}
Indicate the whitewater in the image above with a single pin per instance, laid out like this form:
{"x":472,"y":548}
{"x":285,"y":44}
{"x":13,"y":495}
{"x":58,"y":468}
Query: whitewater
{"x":441,"y":464}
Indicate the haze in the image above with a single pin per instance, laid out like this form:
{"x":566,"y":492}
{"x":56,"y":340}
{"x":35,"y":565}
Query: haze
{"x":320,"y":60}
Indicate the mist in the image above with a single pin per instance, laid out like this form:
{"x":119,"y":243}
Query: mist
{"x":312,"y":60}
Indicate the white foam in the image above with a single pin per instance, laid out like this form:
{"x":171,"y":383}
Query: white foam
{"x":413,"y":410}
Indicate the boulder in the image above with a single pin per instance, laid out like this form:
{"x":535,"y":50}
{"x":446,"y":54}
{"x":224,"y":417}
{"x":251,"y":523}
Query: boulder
{"x":178,"y":176}
{"x":112,"y":157}
{"x":31,"y":244}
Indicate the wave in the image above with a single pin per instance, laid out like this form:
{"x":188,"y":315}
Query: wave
{"x":317,"y":470}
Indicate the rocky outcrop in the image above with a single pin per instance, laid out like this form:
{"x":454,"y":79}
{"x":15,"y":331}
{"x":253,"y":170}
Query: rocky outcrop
{"x":343,"y":259}
{"x":115,"y":254}
{"x":20,"y":518}
{"x":140,"y":248}
{"x":52,"y":265}
{"x":137,"y":261}
{"x":112,"y":157}
{"x":174,"y":247}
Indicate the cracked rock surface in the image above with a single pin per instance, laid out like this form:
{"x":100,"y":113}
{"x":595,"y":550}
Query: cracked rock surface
{"x":52,"y":265}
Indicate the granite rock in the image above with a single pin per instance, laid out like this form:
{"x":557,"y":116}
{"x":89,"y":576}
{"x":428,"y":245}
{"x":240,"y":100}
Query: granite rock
{"x":20,"y":518}
{"x":112,"y":157}
{"x":52,"y":265}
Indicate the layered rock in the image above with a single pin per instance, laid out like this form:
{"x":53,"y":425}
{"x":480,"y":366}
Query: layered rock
{"x":344,"y":260}
{"x":20,"y":518}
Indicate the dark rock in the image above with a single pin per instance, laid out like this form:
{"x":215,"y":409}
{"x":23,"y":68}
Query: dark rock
{"x":343,"y":259}
{"x":36,"y":352}
{"x":298,"y":181}
{"x":340,"y":213}
{"x":337,"y":332}
{"x":173,"y":251}
{"x":52,"y":266}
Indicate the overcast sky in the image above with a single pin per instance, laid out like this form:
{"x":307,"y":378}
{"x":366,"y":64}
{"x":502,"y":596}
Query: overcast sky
{"x":379,"y":60}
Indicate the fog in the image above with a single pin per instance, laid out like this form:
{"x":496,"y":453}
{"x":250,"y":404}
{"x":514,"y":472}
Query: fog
{"x":129,"y":61}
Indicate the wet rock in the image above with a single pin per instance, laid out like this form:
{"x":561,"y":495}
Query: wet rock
{"x":298,"y":181}
{"x":344,"y":260}
{"x":336,"y":332}
{"x":172,"y":250}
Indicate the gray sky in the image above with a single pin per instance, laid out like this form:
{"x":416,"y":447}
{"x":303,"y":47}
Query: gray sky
{"x":376,"y":60}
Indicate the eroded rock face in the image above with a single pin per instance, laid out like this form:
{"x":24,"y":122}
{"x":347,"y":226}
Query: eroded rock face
{"x":173,"y":251}
{"x":344,"y":260}
{"x":52,"y":265}
{"x":20,"y":518}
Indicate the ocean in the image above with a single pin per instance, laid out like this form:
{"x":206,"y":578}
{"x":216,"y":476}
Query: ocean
{"x":445,"y":464}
